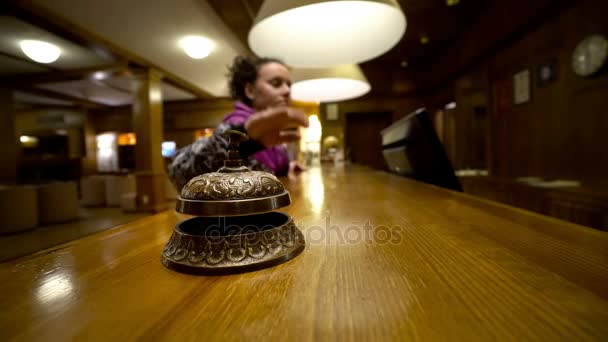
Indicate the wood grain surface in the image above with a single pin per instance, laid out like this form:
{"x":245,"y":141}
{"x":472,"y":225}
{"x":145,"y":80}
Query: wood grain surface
{"x":386,"y":258}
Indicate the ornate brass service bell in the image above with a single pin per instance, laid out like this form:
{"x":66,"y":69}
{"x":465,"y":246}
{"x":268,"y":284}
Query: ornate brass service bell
{"x":236,"y":229}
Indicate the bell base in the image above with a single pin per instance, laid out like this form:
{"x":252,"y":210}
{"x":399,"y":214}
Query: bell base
{"x":216,"y":271}
{"x":220,"y":246}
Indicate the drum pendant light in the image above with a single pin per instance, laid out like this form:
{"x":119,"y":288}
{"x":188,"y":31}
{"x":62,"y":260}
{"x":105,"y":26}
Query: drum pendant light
{"x":319,"y":34}
{"x":339,"y":83}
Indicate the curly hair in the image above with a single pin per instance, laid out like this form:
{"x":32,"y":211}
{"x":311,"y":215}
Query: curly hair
{"x":244,"y":70}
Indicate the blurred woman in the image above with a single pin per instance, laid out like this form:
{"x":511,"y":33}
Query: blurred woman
{"x":262,"y":90}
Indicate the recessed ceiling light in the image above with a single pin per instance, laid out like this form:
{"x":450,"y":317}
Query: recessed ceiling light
{"x":100,"y":75}
{"x":424,"y":40}
{"x":452,"y":2}
{"x":404,"y":64}
{"x":39,"y":51}
{"x":451,"y":105}
{"x":197,"y":47}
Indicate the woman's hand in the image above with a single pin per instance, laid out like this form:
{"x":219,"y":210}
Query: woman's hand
{"x":275,"y":126}
{"x":295,"y":169}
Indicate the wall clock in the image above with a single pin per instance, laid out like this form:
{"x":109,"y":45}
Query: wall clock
{"x":590,"y":55}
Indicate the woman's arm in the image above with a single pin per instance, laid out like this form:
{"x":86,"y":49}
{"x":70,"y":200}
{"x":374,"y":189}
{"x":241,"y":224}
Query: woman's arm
{"x":208,"y":155}
{"x":266,"y":128}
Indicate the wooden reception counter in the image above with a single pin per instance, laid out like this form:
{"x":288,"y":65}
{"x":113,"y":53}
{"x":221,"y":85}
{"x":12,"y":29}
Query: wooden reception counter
{"x":386,"y":258}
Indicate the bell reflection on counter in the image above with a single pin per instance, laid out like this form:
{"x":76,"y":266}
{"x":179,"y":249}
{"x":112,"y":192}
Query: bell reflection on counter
{"x":236,"y":229}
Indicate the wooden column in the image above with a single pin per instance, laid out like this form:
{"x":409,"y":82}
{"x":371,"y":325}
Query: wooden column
{"x":148,"y":125}
{"x":8,"y":138}
{"x":89,"y":162}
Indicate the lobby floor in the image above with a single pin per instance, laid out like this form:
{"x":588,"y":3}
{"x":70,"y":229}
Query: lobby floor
{"x":91,"y":220}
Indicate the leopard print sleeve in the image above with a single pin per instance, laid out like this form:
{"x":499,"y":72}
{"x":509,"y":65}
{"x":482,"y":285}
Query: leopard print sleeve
{"x":208,"y":155}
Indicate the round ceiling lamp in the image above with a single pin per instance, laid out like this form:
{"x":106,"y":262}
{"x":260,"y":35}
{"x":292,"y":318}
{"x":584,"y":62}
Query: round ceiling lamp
{"x":197,"y":47}
{"x":340,"y":83}
{"x":39,"y":51}
{"x":319,"y":34}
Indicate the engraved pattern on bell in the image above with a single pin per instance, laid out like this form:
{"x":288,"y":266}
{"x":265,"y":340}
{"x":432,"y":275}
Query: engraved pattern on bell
{"x":230,"y":251}
{"x":232,"y":186}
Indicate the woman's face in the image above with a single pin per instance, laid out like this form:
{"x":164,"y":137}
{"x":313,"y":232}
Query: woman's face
{"x":272,"y":88}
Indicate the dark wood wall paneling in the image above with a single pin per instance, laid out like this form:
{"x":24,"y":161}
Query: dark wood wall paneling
{"x":561,"y":131}
{"x":559,"y":134}
{"x":363,"y":138}
{"x":360,"y":122}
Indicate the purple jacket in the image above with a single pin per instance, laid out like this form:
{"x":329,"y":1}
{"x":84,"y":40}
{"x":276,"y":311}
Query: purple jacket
{"x":274,"y":158}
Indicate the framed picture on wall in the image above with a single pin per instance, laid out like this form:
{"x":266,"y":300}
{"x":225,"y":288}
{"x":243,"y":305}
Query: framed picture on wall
{"x":547,"y":73}
{"x":521,"y":87}
{"x":332,"y":111}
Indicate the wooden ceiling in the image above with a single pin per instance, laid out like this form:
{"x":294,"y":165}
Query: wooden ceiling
{"x":433,"y":19}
